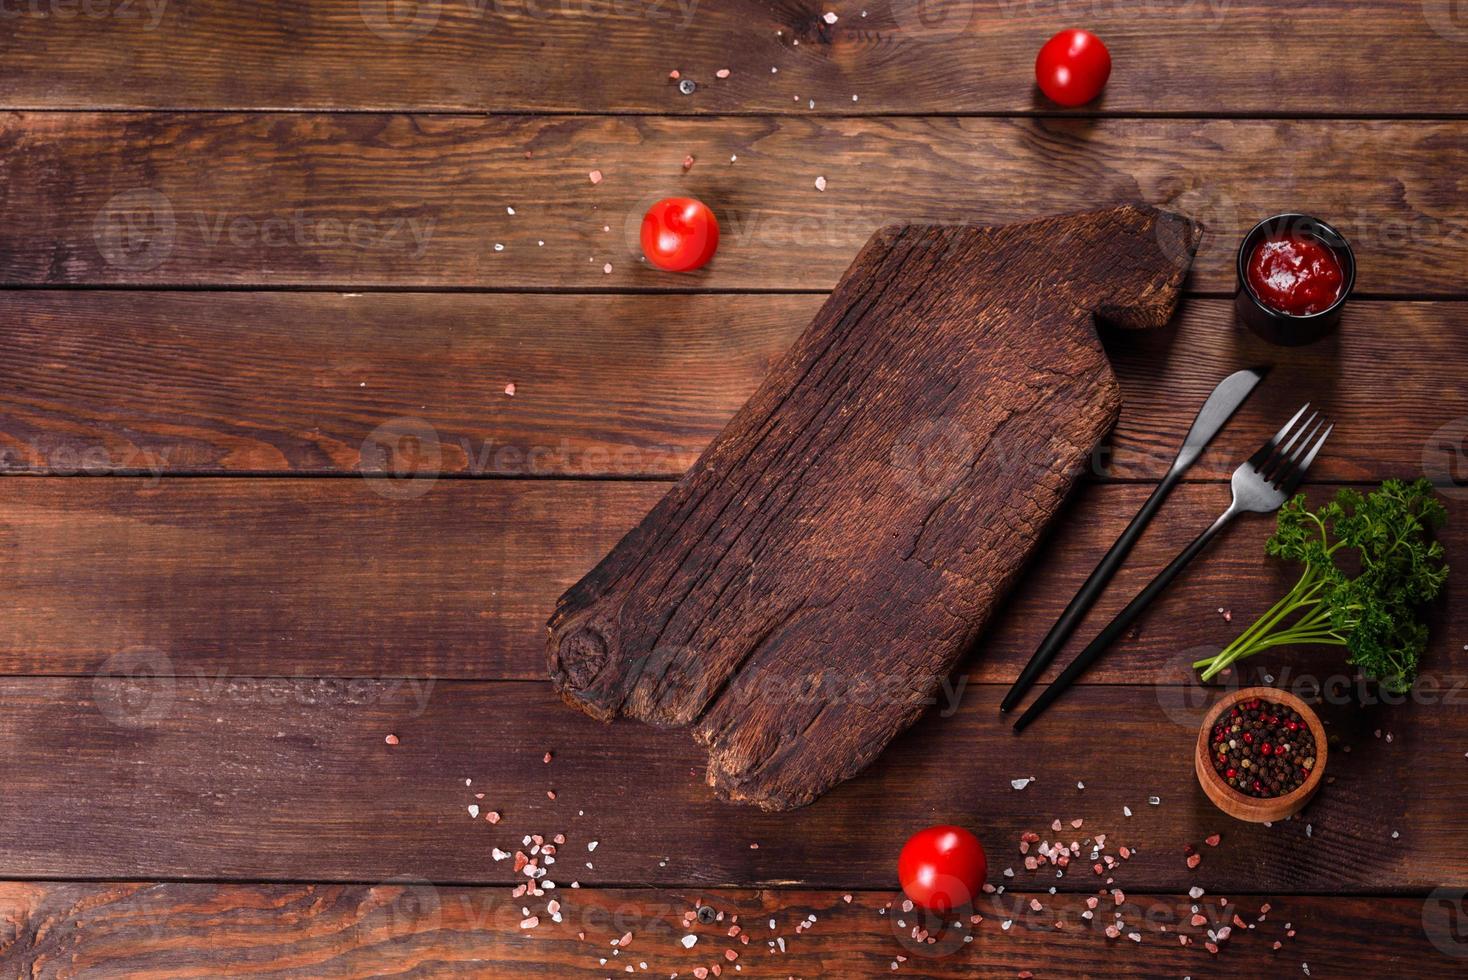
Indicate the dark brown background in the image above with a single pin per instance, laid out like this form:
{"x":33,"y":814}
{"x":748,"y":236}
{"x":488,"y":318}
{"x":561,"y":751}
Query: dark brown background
{"x":237,"y":240}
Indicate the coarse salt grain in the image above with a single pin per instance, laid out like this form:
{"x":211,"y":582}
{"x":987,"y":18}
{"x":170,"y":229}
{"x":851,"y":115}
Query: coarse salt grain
{"x":391,"y":740}
{"x":820,"y":183}
{"x":510,"y":389}
{"x":722,"y":73}
{"x":829,"y":17}
{"x":595,"y":176}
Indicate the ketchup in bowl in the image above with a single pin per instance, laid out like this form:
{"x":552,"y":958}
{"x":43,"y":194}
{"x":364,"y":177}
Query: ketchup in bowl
{"x":1296,"y":274}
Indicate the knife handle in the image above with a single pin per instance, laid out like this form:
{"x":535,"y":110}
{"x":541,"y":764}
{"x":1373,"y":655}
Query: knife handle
{"x":1123,"y":619}
{"x":1089,"y":592}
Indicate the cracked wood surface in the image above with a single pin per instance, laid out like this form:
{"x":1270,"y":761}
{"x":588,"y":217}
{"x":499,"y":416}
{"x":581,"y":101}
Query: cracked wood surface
{"x":759,"y":572}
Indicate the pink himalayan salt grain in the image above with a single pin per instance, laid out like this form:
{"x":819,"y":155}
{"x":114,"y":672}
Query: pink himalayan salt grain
{"x":688,"y":162}
{"x":391,"y":740}
{"x":1199,"y":920}
{"x":550,"y":794}
{"x":722,"y":73}
{"x":1212,"y":840}
{"x":547,"y":758}
{"x":530,"y":923}
{"x":493,"y":816}
{"x":1194,"y":860}
{"x":595,"y":176}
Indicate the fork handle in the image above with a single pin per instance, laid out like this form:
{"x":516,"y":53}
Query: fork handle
{"x":1086,"y":596}
{"x":1123,"y":619}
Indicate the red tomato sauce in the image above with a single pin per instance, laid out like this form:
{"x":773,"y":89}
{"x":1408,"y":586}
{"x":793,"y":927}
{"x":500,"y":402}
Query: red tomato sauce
{"x":1295,"y":274}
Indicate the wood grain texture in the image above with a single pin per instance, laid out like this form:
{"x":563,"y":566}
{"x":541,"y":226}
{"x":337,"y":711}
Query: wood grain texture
{"x":613,"y":386}
{"x":263,"y":577}
{"x":293,"y":780}
{"x":1244,"y":56}
{"x":406,"y":200}
{"x":138,"y":929}
{"x":760,"y":570}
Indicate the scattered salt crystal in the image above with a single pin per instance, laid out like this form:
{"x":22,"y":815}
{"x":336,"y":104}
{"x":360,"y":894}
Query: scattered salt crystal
{"x":1006,"y":924}
{"x":1126,"y":811}
{"x":510,"y":389}
{"x":1395,"y":835}
{"x":474,"y":810}
{"x":391,"y":740}
{"x":493,"y":816}
{"x":1195,"y":892}
{"x":595,"y":176}
{"x":1080,"y":785}
{"x":820,"y":183}
{"x":1155,"y":800}
{"x":509,"y":210}
{"x":607,"y":268}
{"x":1021,"y":783}
{"x":829,"y":17}
{"x":529,"y":923}
{"x":591,"y":845}
{"x":722,"y":73}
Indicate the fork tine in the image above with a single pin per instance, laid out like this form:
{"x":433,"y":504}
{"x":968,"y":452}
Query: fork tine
{"x":1277,"y":462}
{"x":1293,"y":482}
{"x":1265,"y":451}
{"x":1281,"y":468}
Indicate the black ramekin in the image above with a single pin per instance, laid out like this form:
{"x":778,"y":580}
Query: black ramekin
{"x":1285,"y":329}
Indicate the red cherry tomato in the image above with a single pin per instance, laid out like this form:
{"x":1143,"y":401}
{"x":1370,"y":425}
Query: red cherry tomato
{"x":1072,"y":67}
{"x":679,"y":234}
{"x":942,"y":868}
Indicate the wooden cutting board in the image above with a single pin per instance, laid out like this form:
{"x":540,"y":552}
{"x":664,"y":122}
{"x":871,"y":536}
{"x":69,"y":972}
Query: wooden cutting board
{"x":799,"y":596}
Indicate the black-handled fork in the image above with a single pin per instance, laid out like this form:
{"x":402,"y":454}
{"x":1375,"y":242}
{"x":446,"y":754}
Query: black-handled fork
{"x":1260,"y":485}
{"x":1224,"y":400}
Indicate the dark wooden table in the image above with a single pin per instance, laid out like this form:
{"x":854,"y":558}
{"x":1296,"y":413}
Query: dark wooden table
{"x":247,"y":246}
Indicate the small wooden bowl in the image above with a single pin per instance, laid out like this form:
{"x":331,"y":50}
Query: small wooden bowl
{"x":1251,"y":808}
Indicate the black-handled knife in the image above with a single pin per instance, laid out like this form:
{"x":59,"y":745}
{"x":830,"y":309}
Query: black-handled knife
{"x":1220,"y":406}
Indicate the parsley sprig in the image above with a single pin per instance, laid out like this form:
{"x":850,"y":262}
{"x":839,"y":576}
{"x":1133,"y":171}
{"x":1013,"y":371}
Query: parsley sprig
{"x":1369,"y":565}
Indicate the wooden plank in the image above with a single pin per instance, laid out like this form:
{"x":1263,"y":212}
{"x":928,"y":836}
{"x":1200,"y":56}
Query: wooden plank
{"x":294,"y":781}
{"x":762,"y":564}
{"x":1243,"y":56}
{"x":131,"y":929}
{"x":264,"y":577}
{"x":403,"y":200}
{"x":609,"y":386}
